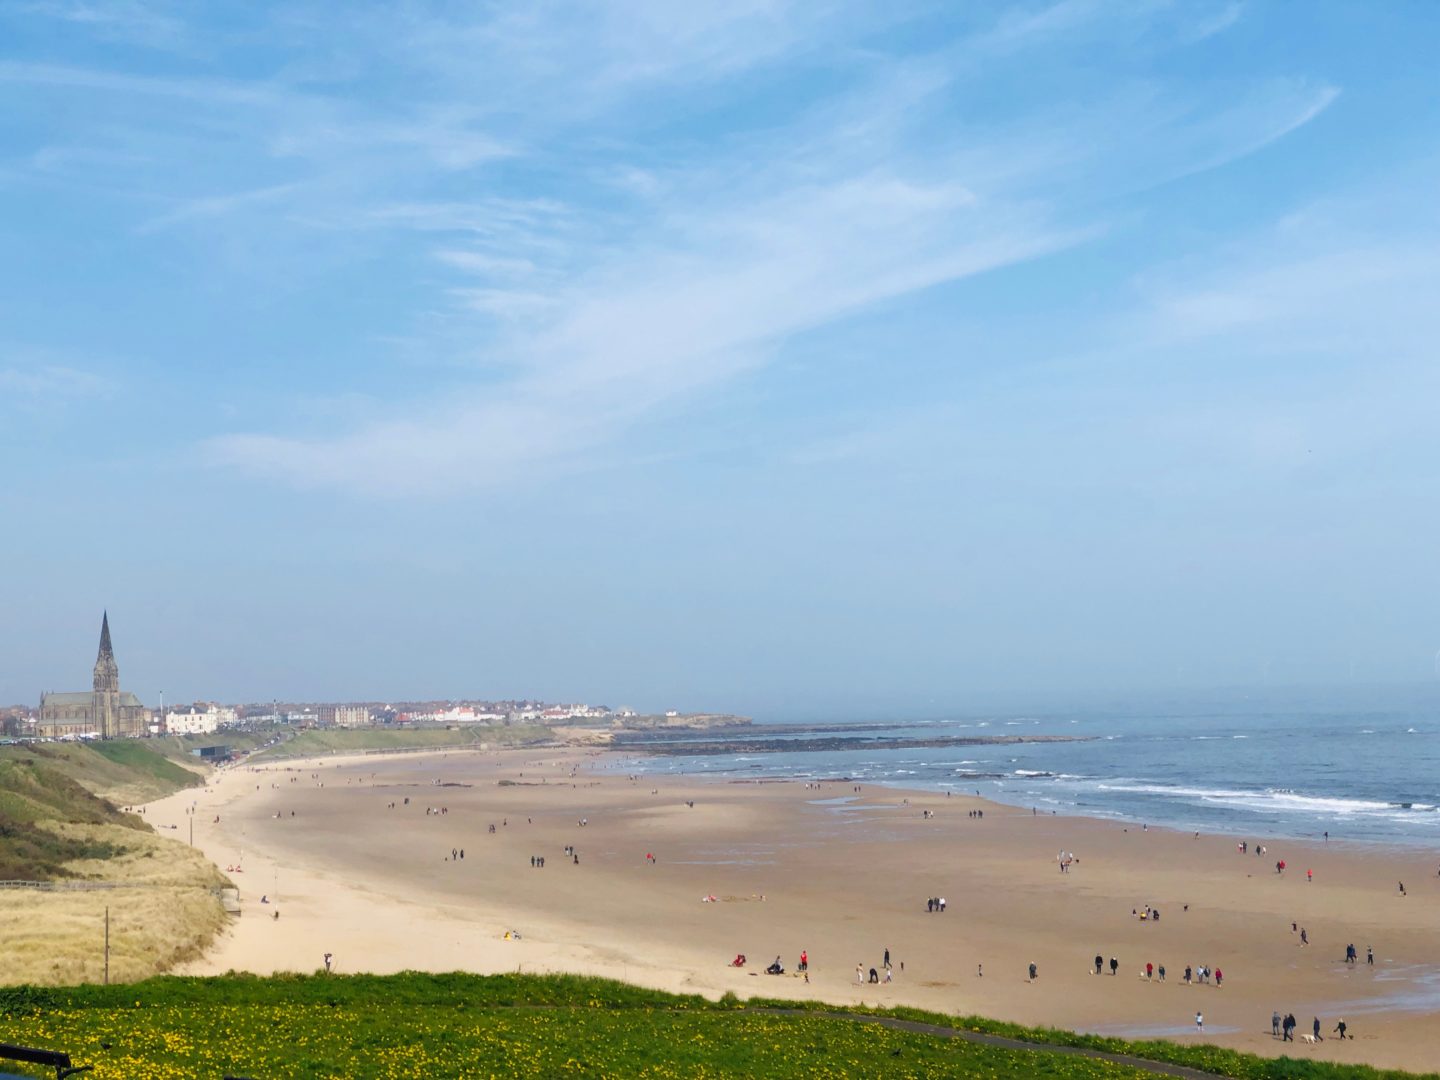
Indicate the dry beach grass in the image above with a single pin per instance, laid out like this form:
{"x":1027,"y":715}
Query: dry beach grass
{"x":167,"y":915}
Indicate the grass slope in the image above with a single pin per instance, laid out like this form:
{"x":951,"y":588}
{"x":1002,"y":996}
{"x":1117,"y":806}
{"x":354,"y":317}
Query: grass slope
{"x":356,"y":740}
{"x":53,"y":829}
{"x":146,"y":760}
{"x":33,"y":797}
{"x":123,"y":771}
{"x":415,"y":1025}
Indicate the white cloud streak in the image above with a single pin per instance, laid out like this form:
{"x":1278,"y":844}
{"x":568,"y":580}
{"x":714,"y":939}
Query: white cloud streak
{"x":698,"y":262}
{"x":39,"y":384}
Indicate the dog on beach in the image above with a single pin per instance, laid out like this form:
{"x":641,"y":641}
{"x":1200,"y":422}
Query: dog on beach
{"x":1307,"y":1038}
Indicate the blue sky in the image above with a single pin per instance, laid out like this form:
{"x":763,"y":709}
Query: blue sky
{"x":773,"y":357}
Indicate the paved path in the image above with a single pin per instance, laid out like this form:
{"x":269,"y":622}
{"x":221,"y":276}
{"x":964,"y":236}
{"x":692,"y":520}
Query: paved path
{"x":1160,"y":1068}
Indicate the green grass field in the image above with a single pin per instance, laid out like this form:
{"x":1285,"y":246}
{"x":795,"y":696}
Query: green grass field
{"x":416,"y":1025}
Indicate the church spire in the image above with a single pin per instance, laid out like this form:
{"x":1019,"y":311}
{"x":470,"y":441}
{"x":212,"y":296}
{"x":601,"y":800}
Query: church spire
{"x":107,"y":672}
{"x":105,"y":649}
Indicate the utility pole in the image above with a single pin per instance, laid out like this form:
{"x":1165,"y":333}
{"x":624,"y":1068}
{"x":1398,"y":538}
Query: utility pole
{"x":107,"y":944}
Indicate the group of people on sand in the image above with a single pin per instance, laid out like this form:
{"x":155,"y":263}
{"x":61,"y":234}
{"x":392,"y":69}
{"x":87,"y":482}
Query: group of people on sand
{"x":875,"y":975}
{"x":935,"y":904}
{"x":1151,"y":972}
{"x":776,"y":966}
{"x":1352,"y":957}
{"x":1283,"y":1028}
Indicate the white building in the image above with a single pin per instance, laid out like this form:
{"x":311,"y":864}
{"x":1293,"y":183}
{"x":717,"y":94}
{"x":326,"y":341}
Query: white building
{"x":198,"y":719}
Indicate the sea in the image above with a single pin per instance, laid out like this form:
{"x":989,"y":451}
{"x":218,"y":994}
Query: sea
{"x":1359,"y":765}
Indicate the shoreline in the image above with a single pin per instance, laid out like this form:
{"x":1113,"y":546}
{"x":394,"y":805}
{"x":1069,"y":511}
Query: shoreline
{"x":790,"y":867}
{"x":1398,"y":848}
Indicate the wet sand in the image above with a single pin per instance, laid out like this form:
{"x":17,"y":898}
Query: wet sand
{"x":844,"y":875}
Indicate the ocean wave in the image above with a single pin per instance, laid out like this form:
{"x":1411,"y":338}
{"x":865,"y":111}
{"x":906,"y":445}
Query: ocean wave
{"x":1032,"y":772}
{"x":1270,"y":799}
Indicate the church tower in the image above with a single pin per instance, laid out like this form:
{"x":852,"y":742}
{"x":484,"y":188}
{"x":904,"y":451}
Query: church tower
{"x":107,"y":685}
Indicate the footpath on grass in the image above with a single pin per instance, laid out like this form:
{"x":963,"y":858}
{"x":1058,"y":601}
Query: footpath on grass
{"x":915,"y":1027}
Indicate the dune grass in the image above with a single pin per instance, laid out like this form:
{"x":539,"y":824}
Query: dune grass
{"x":419,"y":1025}
{"x":54,"y":830}
{"x":168,"y":916}
{"x":34,"y":796}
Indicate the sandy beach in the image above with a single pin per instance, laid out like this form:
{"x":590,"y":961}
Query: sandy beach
{"x":355,"y":870}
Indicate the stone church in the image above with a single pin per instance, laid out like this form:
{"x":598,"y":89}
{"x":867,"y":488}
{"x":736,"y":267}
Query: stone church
{"x":102,"y":711}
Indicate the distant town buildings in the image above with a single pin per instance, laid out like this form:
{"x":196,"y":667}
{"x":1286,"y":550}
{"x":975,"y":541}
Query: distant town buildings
{"x":344,"y":715}
{"x":104,"y":711}
{"x":455,"y":714}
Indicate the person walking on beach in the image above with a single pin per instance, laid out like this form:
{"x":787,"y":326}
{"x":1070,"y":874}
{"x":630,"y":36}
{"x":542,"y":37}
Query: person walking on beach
{"x":1149,"y":970}
{"x":327,"y":961}
{"x":1275,"y":1023}
{"x":1033,"y":972}
{"x":1114,"y":966}
{"x":1200,"y":1023}
{"x":1099,"y":963}
{"x":860,"y":974}
{"x":887,"y":956}
{"x":1315,"y":1029}
{"x":1370,"y":955}
{"x":1304,"y":937}
{"x":1340,"y":1027}
{"x":1161,"y":972}
{"x":1219,"y":978}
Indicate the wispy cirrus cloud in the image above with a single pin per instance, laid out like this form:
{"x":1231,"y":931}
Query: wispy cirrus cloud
{"x":604,"y":219}
{"x":130,"y":21}
{"x":645,"y":331}
{"x":33,"y":385}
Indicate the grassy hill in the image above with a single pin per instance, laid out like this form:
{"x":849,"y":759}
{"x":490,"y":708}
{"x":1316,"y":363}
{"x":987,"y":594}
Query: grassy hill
{"x":54,"y":828}
{"x":178,"y":747}
{"x":123,"y":771}
{"x":33,"y":796}
{"x":435,"y":1026}
{"x":357,"y":740}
